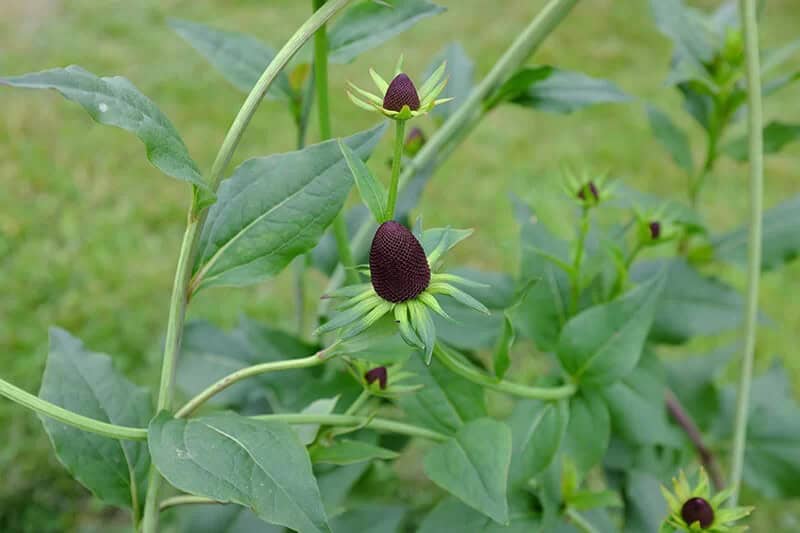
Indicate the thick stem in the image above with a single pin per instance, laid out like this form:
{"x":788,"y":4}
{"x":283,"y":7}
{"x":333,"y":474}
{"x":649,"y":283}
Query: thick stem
{"x":515,"y":389}
{"x":182,"y":287}
{"x":684,"y":420}
{"x":748,"y":15}
{"x":250,"y":371}
{"x":26,"y":399}
{"x":396,"y":163}
{"x":379,"y":424}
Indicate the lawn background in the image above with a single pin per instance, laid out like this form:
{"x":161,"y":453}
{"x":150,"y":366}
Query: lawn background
{"x":89,"y":230}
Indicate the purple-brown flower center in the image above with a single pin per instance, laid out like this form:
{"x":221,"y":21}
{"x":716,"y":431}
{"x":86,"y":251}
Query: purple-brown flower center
{"x":697,"y":510}
{"x":655,"y":229}
{"x":401,"y":91}
{"x":397,"y":263}
{"x":589,"y":192}
{"x":378,"y":374}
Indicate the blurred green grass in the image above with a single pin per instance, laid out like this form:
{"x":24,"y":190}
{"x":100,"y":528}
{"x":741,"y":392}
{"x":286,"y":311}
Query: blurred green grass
{"x":89,"y":230}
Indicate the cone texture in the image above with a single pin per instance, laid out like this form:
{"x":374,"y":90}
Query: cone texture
{"x":401,"y":92}
{"x":397,"y":263}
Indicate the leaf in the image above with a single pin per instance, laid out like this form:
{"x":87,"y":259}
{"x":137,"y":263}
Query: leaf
{"x":557,"y":91}
{"x":372,"y":191}
{"x":473,"y":466}
{"x":215,"y":518}
{"x":603,"y":343}
{"x":460,"y":72}
{"x":273,"y":209}
{"x":86,"y":383}
{"x":372,"y":518}
{"x":502,"y":354}
{"x":692,"y":379}
{"x":336,"y":483}
{"x":325,"y":256}
{"x":693,"y":40}
{"x":537,"y":429}
{"x":627,"y":198}
{"x":780,"y":240}
{"x":347,"y":451}
{"x":671,"y":137}
{"x":239,"y":57}
{"x":588,"y":432}
{"x":450,"y":515}
{"x":446,"y":401}
{"x":776,"y":135}
{"x":115,"y":101}
{"x":645,"y":508}
{"x":775,"y":57}
{"x":442,"y":239}
{"x":691,"y":304}
{"x":367,"y":25}
{"x":308,"y":432}
{"x":229,"y":458}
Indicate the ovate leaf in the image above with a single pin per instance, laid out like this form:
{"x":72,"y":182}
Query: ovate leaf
{"x":473,"y":466}
{"x":671,"y":137}
{"x":692,"y":37}
{"x":604,"y":342}
{"x":215,"y":518}
{"x":372,"y":518}
{"x":229,"y":458}
{"x":450,"y":515}
{"x":347,"y":451}
{"x":372,"y":191}
{"x":589,"y":430}
{"x":460,"y":78}
{"x":115,"y":101}
{"x":239,"y":57}
{"x":537,"y":429}
{"x":367,"y":25}
{"x":86,"y":383}
{"x":273,"y":209}
{"x":776,"y":136}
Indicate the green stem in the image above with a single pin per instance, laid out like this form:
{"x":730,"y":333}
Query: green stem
{"x":358,"y":403}
{"x":748,"y":15}
{"x":183,"y":288}
{"x":26,"y":399}
{"x":380,"y":424}
{"x":575,"y":273}
{"x":476,"y":376}
{"x":299,"y":271}
{"x":250,"y":371}
{"x":579,"y":521}
{"x":399,"y":138}
{"x":184,"y":499}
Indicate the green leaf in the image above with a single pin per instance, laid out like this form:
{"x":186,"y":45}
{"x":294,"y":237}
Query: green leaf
{"x":86,"y":383}
{"x":239,"y":57}
{"x":347,"y":451}
{"x":583,"y":500}
{"x":537,"y":430}
{"x":460,"y":74}
{"x":336,"y":483}
{"x":446,"y":401}
{"x":372,"y":191}
{"x":588,"y":432}
{"x":645,"y":507}
{"x":671,"y":137}
{"x":322,"y":406}
{"x":115,"y":101}
{"x":557,"y":91}
{"x":273,"y":209}
{"x":473,"y":466}
{"x":692,"y":379}
{"x":372,"y":518}
{"x":229,"y":458}
{"x":780,"y":240}
{"x":603,"y":343}
{"x":502,"y":354}
{"x":442,"y":239}
{"x":626,"y":197}
{"x":367,"y":25}
{"x":215,"y":518}
{"x":776,"y":136}
{"x":775,"y":57}
{"x":452,"y":516}
{"x":693,"y":39}
{"x":691,"y":304}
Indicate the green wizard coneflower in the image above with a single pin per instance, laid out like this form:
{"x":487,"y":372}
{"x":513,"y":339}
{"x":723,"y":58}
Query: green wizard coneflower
{"x":404,"y":281}
{"x":694,"y":509}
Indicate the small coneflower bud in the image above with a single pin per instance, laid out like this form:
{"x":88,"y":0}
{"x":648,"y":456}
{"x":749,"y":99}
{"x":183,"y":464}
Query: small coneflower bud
{"x":655,"y":230}
{"x":589,"y":192}
{"x":414,"y":142}
{"x":377,"y":374}
{"x":697,"y":510}
{"x":401,"y":91}
{"x":397,"y":263}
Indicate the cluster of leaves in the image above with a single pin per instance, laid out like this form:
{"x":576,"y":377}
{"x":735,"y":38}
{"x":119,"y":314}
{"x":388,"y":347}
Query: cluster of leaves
{"x":597,"y":314}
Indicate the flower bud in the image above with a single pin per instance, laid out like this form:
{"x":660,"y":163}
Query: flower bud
{"x":401,"y":92}
{"x":589,"y":192}
{"x":415,"y":140}
{"x":397,"y":263}
{"x":378,"y":374}
{"x":697,"y":510}
{"x":655,"y":229}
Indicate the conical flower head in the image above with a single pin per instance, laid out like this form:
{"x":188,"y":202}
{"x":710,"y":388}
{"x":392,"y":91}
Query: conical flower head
{"x":401,"y":91}
{"x":397,"y":263}
{"x":698,"y":510}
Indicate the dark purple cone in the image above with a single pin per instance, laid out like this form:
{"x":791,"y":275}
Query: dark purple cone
{"x":591,"y":188}
{"x":655,"y":230}
{"x":397,"y":263}
{"x":697,"y":510}
{"x":377,"y":374}
{"x":401,"y":92}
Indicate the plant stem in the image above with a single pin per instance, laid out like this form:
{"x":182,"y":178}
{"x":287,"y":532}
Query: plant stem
{"x":358,"y":403}
{"x":396,"y":161}
{"x":467,"y":371}
{"x":26,"y":399}
{"x":579,"y":521}
{"x":380,"y":424}
{"x":299,"y":271}
{"x":575,"y":273}
{"x":184,"y":499}
{"x":684,"y":420}
{"x":183,"y":288}
{"x":747,"y":9}
{"x":250,"y":371}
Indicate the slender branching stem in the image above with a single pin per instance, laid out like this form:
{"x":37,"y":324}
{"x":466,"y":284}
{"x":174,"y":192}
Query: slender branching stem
{"x":748,"y":16}
{"x":396,"y":164}
{"x":183,"y":288}
{"x":467,"y":371}
{"x":184,"y":499}
{"x":579,"y":521}
{"x":43,"y":407}
{"x":685,"y":421}
{"x":379,"y":424}
{"x":358,"y":403}
{"x":575,"y":272}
